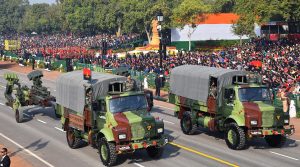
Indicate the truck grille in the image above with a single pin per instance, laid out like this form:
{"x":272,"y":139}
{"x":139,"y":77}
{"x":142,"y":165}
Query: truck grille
{"x":267,"y":119}
{"x":140,"y":130}
{"x":137,"y":131}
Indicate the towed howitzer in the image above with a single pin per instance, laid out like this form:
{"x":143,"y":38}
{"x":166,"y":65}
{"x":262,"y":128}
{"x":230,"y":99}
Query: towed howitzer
{"x":39,"y":95}
{"x":21,"y":96}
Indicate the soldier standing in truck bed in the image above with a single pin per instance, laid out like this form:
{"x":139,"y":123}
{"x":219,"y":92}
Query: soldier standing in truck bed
{"x":130,"y":83}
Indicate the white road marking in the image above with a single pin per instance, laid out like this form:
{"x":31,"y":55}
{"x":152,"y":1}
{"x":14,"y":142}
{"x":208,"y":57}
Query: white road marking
{"x":2,"y":104}
{"x":41,"y":121}
{"x":139,"y":165}
{"x":164,"y":107}
{"x":298,"y":140}
{"x":31,"y":153}
{"x":169,"y":122}
{"x":54,"y":90}
{"x":284,"y":156}
{"x":2,"y":86}
{"x":59,"y":129}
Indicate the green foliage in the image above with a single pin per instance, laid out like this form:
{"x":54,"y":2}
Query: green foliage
{"x":222,"y":6}
{"x":11,"y":12}
{"x":135,"y":16}
{"x":290,"y":10}
{"x":189,"y":12}
{"x":41,"y":18}
{"x":244,"y":26}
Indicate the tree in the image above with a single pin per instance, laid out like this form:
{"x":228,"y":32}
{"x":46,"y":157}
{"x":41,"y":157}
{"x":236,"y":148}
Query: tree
{"x":251,"y":13}
{"x":290,"y":10}
{"x":11,"y":12}
{"x":223,"y":6}
{"x":189,"y":12}
{"x":243,"y":27}
{"x":78,"y":15}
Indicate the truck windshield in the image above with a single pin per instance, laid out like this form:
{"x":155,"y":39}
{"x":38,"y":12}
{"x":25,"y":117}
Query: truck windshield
{"x":128,"y":103}
{"x":254,"y":94}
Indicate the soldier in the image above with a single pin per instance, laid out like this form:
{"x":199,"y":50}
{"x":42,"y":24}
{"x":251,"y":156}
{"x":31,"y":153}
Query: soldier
{"x":213,"y":90}
{"x":130,"y":83}
{"x":33,"y":61}
{"x":158,"y":85}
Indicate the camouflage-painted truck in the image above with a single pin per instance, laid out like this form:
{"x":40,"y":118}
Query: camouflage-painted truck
{"x":237,"y":105}
{"x":103,"y":113}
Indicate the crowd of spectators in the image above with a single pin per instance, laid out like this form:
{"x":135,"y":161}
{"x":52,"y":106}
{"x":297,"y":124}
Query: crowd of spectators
{"x":66,"y":45}
{"x":63,"y":40}
{"x":277,"y":62}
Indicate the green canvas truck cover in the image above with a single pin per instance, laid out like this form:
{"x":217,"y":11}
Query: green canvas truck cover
{"x":71,"y":91}
{"x":192,"y":81}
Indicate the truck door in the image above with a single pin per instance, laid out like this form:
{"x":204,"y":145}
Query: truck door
{"x":228,"y":101}
{"x":99,"y":109}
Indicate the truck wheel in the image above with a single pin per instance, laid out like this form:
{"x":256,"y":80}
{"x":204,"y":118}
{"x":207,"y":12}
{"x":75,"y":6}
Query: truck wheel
{"x":187,"y":125}
{"x":19,"y":116}
{"x":235,"y":137}
{"x":72,"y":140}
{"x":275,"y":140}
{"x":107,"y":152}
{"x":155,"y":152}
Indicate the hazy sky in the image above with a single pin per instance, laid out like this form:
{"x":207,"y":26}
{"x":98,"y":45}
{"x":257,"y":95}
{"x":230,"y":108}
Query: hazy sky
{"x":41,"y":1}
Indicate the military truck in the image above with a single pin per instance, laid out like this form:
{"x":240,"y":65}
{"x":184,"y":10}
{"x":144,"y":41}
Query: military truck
{"x":238,"y":105}
{"x":105,"y":114}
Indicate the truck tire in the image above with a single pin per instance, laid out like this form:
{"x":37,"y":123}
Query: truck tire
{"x":72,"y":140}
{"x":275,"y":140}
{"x":187,"y":125}
{"x":155,"y":152}
{"x":19,"y":116}
{"x":107,"y":152}
{"x":235,"y":137}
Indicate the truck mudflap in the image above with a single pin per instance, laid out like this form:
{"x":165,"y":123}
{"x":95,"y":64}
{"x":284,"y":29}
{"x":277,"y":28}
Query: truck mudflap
{"x":266,"y":132}
{"x":142,"y":145}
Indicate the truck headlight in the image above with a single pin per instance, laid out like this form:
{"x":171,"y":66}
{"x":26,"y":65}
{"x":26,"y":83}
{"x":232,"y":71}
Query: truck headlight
{"x":253,"y":122}
{"x":160,"y":130}
{"x":286,"y":121}
{"x":122,"y":136}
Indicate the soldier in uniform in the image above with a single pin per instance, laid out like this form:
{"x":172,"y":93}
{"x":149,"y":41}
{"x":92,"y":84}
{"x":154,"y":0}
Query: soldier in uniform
{"x":130,"y":83}
{"x":213,"y":90}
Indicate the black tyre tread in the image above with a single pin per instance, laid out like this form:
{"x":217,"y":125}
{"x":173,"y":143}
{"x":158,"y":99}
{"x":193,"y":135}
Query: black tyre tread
{"x":276,"y":141}
{"x":155,"y":152}
{"x":242,"y":142}
{"x":112,"y":156}
{"x":76,"y":142}
{"x":20,"y":113}
{"x":194,"y":127}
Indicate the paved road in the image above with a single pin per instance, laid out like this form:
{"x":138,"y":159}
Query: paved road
{"x":43,"y":143}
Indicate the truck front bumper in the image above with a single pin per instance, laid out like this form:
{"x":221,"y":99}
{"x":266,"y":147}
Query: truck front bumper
{"x":275,"y":131}
{"x":143,"y":144}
